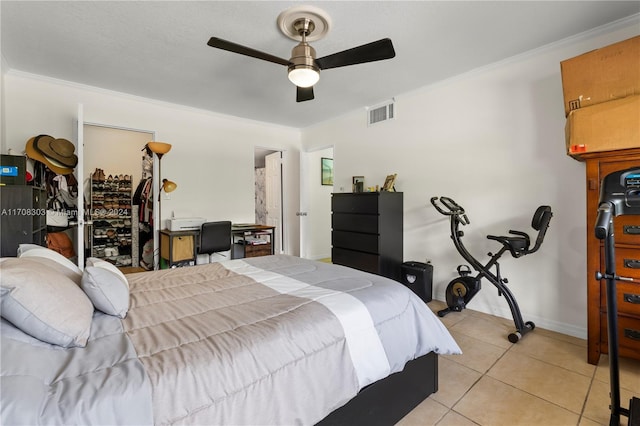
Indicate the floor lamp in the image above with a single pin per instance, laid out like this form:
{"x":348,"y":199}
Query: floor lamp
{"x":160,"y":148}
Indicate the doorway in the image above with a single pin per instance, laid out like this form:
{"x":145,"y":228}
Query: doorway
{"x":115,"y":151}
{"x":268,"y":192}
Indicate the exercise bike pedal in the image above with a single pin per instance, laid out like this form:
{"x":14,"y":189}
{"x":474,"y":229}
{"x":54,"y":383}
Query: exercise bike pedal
{"x":445,"y":311}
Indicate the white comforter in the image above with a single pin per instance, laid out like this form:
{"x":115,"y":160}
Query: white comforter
{"x":271,"y":340}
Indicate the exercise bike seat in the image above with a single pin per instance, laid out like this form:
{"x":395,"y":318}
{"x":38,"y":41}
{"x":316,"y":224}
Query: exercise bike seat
{"x":518,"y":244}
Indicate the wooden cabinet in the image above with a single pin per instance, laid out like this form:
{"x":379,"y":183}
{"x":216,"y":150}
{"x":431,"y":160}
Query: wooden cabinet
{"x":178,"y":248}
{"x":23,"y":220}
{"x":367,"y":231}
{"x":627,"y":239}
{"x":252,"y":240}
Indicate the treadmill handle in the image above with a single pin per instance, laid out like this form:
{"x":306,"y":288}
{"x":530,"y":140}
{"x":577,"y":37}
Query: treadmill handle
{"x":605,"y":211}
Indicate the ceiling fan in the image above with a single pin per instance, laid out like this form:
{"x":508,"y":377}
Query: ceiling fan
{"x":306,"y":23}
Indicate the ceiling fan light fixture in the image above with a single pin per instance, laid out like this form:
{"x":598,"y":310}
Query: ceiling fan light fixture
{"x":303,"y":76}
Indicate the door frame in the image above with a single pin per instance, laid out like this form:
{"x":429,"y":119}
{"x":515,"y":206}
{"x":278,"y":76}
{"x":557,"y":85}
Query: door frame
{"x":281,"y":230}
{"x":79,"y":171}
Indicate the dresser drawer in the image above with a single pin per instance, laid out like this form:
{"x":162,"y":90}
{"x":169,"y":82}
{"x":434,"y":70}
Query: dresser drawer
{"x":355,"y":222}
{"x":354,"y":259}
{"x":355,"y":241}
{"x":628,"y":297}
{"x":355,"y":203}
{"x":627,"y":262}
{"x":628,"y":334}
{"x":257,"y":250}
{"x":627,"y":229}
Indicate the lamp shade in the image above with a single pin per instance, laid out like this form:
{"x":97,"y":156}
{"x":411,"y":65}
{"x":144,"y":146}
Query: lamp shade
{"x":168,"y":185}
{"x":303,"y":76}
{"x":159,"y":148}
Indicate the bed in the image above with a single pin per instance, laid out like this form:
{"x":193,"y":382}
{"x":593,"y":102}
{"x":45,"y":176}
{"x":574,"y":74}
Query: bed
{"x":270,"y":340}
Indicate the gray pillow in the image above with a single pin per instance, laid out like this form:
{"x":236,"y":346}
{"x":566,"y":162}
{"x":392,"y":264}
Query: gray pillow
{"x":43,"y":302}
{"x":71,"y":269}
{"x":106,"y":286}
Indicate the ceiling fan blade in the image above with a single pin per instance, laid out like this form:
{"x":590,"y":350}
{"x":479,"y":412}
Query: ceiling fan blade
{"x":370,"y":52}
{"x":243,"y":50}
{"x":304,"y":94}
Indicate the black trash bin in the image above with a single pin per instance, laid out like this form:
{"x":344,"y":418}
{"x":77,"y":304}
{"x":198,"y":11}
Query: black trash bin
{"x":418,"y":277}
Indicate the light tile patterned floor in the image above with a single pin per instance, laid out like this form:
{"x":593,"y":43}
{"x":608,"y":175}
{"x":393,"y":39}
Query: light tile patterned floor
{"x":542,"y":380}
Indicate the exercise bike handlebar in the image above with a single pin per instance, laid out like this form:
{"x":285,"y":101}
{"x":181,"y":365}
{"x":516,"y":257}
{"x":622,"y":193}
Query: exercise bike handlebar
{"x":446,"y":206}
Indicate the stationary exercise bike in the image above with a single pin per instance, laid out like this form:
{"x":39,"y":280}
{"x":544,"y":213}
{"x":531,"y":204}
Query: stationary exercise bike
{"x":461,"y":290}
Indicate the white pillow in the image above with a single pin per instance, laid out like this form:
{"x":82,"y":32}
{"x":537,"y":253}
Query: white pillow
{"x":44,"y":253}
{"x":44,"y":303}
{"x":106,"y":286}
{"x":26,"y":247}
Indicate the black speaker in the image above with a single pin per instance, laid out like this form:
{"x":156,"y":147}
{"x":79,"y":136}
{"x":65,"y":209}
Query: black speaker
{"x":419,"y":278}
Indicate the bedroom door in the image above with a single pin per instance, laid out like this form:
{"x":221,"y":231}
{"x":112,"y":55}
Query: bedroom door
{"x":315,"y":206}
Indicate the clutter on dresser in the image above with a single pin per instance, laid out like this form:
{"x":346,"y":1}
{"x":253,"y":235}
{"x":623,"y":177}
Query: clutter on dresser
{"x":111,"y":216}
{"x":601,"y":93}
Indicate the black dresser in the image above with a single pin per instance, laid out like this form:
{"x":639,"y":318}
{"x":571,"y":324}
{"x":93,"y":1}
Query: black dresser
{"x":367,"y":232}
{"x":22,"y":217}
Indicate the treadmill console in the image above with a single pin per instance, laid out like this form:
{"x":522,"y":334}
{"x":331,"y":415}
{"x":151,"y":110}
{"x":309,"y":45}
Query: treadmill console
{"x":622,"y":190}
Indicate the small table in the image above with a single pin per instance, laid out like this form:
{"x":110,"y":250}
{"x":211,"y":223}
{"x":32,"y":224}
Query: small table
{"x":178,"y":247}
{"x":251,"y":240}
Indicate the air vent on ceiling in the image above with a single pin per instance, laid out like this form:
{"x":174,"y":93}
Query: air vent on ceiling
{"x":380,"y":113}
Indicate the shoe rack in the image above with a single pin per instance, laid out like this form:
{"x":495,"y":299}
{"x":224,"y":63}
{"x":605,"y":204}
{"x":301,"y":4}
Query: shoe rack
{"x":111,"y":217}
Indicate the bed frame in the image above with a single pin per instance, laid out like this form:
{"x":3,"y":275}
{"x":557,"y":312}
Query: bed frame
{"x":387,"y":401}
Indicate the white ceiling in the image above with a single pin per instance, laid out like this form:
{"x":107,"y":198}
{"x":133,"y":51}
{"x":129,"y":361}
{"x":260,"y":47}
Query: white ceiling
{"x":159,"y":50}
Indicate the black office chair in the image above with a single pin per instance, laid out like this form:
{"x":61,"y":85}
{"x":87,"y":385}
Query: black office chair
{"x":215,"y":237}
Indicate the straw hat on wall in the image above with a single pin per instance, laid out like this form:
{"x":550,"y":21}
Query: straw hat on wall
{"x":57,"y":154}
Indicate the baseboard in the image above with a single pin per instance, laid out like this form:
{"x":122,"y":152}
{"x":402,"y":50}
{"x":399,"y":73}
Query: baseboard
{"x":319,"y":256}
{"x":504,"y":312}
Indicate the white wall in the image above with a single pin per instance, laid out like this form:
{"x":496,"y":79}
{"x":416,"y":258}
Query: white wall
{"x":212,"y":155}
{"x":493,"y":140}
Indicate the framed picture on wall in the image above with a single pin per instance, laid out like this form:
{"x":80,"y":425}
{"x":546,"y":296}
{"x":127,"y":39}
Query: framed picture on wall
{"x":326,"y":171}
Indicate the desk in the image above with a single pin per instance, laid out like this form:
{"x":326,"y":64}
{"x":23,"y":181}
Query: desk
{"x":179,"y":247}
{"x":251,"y":240}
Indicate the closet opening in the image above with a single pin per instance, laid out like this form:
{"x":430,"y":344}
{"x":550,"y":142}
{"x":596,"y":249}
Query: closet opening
{"x":117,"y":229}
{"x":268,"y":171}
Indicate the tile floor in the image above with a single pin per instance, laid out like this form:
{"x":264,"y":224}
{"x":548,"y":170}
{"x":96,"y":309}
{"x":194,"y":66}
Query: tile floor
{"x":542,"y":380}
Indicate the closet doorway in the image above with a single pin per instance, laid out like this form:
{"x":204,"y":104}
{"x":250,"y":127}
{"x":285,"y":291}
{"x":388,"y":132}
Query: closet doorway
{"x":118,"y":152}
{"x":268,"y":192}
